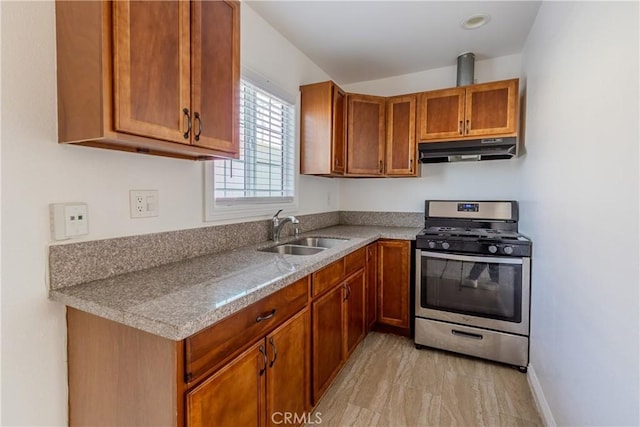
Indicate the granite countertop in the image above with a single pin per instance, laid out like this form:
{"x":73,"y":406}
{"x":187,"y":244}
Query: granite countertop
{"x":179,"y":299}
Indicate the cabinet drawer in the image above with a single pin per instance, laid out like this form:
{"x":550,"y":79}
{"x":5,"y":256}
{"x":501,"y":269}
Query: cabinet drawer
{"x":328,"y":277}
{"x":210,"y":348}
{"x":354,"y":261}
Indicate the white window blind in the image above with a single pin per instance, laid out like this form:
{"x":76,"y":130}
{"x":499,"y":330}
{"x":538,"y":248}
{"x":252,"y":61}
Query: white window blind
{"x":264,"y":173}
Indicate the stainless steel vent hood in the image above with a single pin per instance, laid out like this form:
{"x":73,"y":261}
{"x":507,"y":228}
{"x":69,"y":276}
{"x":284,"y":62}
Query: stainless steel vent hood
{"x":468,"y":150}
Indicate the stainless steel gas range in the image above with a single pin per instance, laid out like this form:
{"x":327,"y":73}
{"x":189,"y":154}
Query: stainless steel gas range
{"x":473,"y":281}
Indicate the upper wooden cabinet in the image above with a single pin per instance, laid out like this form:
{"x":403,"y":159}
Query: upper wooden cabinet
{"x":152,"y":77}
{"x":323,"y":119}
{"x":469,"y":112}
{"x":401,"y":149}
{"x":365,"y":135}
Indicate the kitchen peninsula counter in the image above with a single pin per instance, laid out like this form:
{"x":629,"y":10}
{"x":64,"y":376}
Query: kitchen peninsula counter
{"x":179,"y":299}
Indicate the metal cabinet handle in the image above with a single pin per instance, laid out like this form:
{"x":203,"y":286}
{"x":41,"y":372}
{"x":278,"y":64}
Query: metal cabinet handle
{"x":266,"y":316}
{"x":348,"y":289}
{"x":460,"y":127}
{"x":275,"y":352}
{"x":186,"y":113}
{"x":467,"y":131}
{"x":196,"y":117}
{"x":264,"y":357}
{"x":410,"y":165}
{"x":381,"y":166}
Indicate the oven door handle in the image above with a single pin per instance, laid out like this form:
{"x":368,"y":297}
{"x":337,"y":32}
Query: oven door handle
{"x":487,"y":259}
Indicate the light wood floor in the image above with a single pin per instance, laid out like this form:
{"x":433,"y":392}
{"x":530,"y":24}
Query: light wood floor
{"x":387,"y":382}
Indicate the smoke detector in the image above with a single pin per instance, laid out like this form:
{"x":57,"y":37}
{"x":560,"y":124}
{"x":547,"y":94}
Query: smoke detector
{"x":475,"y":21}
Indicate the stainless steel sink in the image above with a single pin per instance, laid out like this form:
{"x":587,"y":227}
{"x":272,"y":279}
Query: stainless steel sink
{"x":291,"y":249}
{"x":319,"y":242}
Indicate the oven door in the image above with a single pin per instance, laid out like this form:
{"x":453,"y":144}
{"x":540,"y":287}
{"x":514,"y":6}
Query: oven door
{"x":489,"y":292}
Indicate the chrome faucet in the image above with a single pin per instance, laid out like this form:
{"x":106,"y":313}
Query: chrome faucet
{"x":279,"y":223}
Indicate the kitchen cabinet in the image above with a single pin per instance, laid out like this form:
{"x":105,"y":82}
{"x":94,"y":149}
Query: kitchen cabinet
{"x":270,"y":377}
{"x":160,"y":78}
{"x":365,"y":135}
{"x":401,"y":148}
{"x":338,"y":317}
{"x":371,"y":263}
{"x":394,"y":281}
{"x":323,"y":119}
{"x":469,"y":112}
{"x":237,"y":371}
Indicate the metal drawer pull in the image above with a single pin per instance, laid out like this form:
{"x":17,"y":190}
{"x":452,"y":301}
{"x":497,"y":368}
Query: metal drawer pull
{"x":466,"y":334}
{"x":266,"y":316}
{"x":186,"y":113}
{"x":275,"y":352}
{"x":264,"y":357}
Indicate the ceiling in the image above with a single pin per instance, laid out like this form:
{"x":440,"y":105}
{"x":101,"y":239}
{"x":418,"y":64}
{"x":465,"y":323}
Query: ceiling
{"x":356,"y":41}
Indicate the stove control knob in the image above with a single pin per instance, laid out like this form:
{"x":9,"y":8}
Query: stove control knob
{"x":431,"y":244}
{"x":493,"y":249}
{"x":445,"y":245}
{"x":508,"y":250}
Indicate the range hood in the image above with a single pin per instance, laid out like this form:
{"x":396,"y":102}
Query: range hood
{"x":468,"y":150}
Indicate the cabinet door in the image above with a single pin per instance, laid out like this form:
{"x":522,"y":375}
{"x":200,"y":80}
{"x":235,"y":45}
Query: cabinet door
{"x":234,"y":395}
{"x":327,"y":340}
{"x":365,"y":135}
{"x":354,"y":309}
{"x":492,"y":108}
{"x":372,"y":284}
{"x":394,"y":265}
{"x":339,"y":135}
{"x":215,"y":35}
{"x":288,"y":376}
{"x":151,"y":68}
{"x":442,"y":114}
{"x":401,"y":136}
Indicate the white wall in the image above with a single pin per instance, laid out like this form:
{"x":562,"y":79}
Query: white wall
{"x":498,"y":179}
{"x":37,"y":171}
{"x":579,"y":203}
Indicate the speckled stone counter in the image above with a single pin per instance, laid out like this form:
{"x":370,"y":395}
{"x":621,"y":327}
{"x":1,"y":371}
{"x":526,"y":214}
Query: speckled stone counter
{"x":179,"y":299}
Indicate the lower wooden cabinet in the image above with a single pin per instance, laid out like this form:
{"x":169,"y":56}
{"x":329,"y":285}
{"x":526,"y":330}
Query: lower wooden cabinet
{"x":338,"y":321}
{"x":327,"y":339}
{"x":256,"y":388}
{"x":394,"y":281}
{"x":233,"y":396}
{"x":371,"y":279}
{"x":354,"y":313}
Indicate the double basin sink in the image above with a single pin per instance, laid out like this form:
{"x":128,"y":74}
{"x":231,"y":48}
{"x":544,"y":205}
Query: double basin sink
{"x":305,"y":246}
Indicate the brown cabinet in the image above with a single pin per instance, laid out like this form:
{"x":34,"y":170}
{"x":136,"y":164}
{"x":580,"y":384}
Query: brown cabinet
{"x":323,"y":119}
{"x":233,"y":396}
{"x":394,"y":270}
{"x":354,"y":312}
{"x":469,"y":112}
{"x":239,"y":371}
{"x":153,"y":77}
{"x":268,"y":379}
{"x":371,"y":279}
{"x":338,"y":317}
{"x":365,"y":135}
{"x":401,"y":148}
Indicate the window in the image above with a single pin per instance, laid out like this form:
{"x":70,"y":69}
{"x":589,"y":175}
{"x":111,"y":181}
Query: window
{"x":263,"y":176}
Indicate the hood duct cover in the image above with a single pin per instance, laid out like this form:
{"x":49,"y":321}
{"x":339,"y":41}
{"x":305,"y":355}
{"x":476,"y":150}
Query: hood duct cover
{"x":468,"y":150}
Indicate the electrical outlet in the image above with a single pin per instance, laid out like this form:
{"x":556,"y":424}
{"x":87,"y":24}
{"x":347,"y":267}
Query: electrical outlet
{"x":143,"y":203}
{"x":68,"y":220}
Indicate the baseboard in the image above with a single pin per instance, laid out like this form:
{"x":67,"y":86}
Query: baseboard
{"x":538,"y":396}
